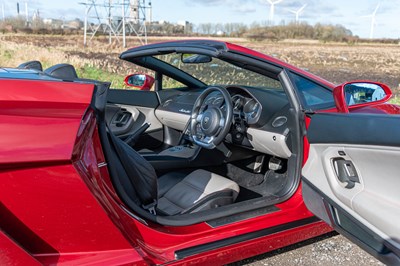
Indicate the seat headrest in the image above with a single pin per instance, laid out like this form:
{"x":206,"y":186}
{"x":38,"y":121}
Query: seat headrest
{"x":32,"y":65}
{"x":62,"y":71}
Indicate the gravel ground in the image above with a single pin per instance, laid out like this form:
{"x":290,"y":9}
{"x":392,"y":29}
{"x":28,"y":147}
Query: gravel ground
{"x":330,"y":249}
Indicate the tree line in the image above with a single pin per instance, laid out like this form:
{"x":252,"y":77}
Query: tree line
{"x":258,"y":31}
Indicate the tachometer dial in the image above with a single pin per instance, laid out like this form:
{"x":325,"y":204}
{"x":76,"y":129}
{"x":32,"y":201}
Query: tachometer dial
{"x":237,"y":101}
{"x":252,"y":110}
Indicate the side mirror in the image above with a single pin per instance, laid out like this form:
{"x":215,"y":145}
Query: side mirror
{"x":142,"y":81}
{"x":357,"y":94}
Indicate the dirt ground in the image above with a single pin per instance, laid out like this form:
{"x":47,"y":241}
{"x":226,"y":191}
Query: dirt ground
{"x":335,"y":62}
{"x":327,"y":250}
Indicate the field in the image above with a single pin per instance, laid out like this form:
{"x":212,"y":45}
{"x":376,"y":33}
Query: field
{"x":335,"y":62}
{"x":99,"y":60}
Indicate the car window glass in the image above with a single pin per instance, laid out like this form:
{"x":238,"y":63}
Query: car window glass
{"x":170,"y":83}
{"x":313,"y":96}
{"x":219,"y":72}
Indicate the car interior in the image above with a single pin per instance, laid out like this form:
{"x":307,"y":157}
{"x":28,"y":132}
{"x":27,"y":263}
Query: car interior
{"x":213,"y":150}
{"x":198,"y":152}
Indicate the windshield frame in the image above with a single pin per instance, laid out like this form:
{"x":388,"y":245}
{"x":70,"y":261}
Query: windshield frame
{"x":220,"y":72}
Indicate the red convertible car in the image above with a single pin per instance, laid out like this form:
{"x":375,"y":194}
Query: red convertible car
{"x":224,"y":153}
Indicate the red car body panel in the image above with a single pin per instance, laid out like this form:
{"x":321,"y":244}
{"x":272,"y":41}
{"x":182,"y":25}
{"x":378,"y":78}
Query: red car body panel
{"x":13,"y":254}
{"x":256,"y":246}
{"x":45,"y":205}
{"x":39,"y":120}
{"x":161,"y":242}
{"x":58,"y":204}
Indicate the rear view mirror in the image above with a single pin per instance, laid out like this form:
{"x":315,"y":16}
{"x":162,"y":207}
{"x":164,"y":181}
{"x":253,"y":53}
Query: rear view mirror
{"x":195,"y":58}
{"x":360,"y":94}
{"x":142,"y":81}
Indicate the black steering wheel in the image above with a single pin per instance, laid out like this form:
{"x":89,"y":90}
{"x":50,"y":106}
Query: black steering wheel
{"x":209,"y":125}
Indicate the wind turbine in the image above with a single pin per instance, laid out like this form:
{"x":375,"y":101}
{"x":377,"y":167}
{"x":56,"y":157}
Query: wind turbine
{"x":298,"y":12}
{"x":373,"y":21}
{"x":272,"y":9}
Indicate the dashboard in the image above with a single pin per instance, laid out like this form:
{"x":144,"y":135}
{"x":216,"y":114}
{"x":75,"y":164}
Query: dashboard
{"x":244,"y":106}
{"x":261,"y":117}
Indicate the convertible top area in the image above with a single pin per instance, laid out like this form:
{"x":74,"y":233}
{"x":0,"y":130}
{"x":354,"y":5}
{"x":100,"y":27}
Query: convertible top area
{"x":208,"y":46}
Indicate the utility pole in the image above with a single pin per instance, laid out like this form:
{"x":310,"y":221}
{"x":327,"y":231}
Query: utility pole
{"x":87,"y":8}
{"x":26,"y":12}
{"x":132,"y":21}
{"x":2,"y":11}
{"x":123,"y":27}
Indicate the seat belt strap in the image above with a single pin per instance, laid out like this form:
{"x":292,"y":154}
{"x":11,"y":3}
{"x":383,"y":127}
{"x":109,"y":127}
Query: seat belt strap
{"x":151,"y":207}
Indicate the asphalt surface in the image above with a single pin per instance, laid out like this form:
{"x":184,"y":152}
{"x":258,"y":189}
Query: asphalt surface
{"x":330,"y":249}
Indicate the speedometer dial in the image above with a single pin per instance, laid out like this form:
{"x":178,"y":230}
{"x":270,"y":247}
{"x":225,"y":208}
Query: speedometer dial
{"x":218,"y":101}
{"x":210,"y":100}
{"x":252,"y":111}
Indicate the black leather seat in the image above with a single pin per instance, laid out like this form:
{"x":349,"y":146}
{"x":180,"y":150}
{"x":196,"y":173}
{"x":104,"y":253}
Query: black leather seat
{"x":173,"y":193}
{"x":200,"y":190}
{"x":32,"y":65}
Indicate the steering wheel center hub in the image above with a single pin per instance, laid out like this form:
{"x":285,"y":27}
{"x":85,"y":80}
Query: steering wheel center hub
{"x":210,"y":121}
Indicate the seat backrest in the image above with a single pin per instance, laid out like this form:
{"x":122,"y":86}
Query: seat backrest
{"x":62,"y":71}
{"x":32,"y":65}
{"x":140,"y":172}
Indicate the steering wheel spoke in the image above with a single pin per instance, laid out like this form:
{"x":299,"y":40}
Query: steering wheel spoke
{"x":208,"y":140}
{"x":199,"y":117}
{"x":221,"y":122}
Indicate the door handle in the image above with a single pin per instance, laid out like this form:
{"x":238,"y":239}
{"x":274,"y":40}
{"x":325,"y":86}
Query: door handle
{"x":122,"y":118}
{"x":346,"y":172}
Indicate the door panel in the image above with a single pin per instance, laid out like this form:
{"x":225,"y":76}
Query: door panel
{"x":351,"y":178}
{"x":136,"y":117}
{"x":128,"y":110}
{"x":133,"y":98}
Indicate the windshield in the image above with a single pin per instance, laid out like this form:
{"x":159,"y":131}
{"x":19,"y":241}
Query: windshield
{"x":218,"y":72}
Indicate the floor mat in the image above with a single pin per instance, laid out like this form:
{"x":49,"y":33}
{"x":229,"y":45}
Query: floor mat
{"x":273,"y":183}
{"x":269,"y":184}
{"x":244,"y":178}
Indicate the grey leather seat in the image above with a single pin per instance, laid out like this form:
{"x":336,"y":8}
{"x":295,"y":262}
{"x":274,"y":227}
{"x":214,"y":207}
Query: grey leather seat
{"x":200,"y":190}
{"x":173,"y":193}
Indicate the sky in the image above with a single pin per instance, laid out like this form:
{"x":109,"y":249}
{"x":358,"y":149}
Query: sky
{"x":345,"y":12}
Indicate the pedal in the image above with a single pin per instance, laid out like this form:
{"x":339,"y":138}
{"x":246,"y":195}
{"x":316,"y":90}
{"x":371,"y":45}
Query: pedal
{"x":275,"y":164}
{"x":258,"y":164}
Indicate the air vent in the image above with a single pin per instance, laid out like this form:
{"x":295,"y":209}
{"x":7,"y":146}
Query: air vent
{"x":167,"y":103}
{"x":279,"y":121}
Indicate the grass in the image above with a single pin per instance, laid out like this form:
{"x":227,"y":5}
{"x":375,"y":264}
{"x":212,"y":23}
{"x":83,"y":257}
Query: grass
{"x":6,"y":54}
{"x":395,"y":100}
{"x":13,"y":54}
{"x":90,"y":72}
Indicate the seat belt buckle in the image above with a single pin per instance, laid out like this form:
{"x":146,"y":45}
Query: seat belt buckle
{"x":151,"y":207}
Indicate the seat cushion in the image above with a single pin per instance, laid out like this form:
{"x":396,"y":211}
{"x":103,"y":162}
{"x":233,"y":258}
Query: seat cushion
{"x":200,"y":190}
{"x":167,"y":181}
